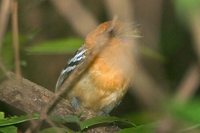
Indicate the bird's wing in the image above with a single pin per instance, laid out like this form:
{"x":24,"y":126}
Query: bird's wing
{"x":78,"y":57}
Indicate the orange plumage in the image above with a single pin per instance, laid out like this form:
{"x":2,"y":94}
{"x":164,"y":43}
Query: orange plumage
{"x":104,"y":84}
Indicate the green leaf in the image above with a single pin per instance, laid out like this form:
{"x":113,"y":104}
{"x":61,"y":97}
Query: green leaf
{"x":66,"y":119}
{"x":141,"y":117}
{"x":127,"y":130}
{"x":17,"y":119}
{"x":8,"y":129}
{"x":2,"y":115}
{"x":55,"y":130}
{"x":139,"y":129}
{"x":103,"y":120}
{"x":61,"y":46}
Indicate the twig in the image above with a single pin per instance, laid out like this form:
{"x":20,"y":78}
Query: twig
{"x":190,"y":129}
{"x":122,"y":8}
{"x":150,"y":18}
{"x":4,"y":17}
{"x":189,"y":84}
{"x":147,"y":90}
{"x":15,"y":32}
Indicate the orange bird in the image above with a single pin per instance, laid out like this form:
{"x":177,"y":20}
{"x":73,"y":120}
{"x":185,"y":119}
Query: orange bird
{"x":103,"y":85}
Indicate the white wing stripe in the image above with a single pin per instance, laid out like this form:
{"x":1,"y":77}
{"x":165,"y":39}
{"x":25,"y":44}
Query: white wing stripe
{"x":68,"y":69}
{"x":78,"y":56}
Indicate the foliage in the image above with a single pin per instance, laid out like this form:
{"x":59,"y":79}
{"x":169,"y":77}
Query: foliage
{"x":89,"y":123}
{"x":139,"y":129}
{"x":7,"y":125}
{"x":188,"y":112}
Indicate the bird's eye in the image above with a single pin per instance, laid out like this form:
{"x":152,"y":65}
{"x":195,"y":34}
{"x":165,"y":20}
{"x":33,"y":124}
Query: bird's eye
{"x":111,"y":32}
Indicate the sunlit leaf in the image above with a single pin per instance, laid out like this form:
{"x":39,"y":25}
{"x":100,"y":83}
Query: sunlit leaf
{"x":17,"y":119}
{"x":2,"y":115}
{"x":8,"y":129}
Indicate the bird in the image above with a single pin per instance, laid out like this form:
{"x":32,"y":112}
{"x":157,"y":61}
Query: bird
{"x":101,"y":88}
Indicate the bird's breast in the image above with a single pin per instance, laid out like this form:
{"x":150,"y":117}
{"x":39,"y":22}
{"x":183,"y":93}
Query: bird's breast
{"x":101,"y":86}
{"x":106,"y":76}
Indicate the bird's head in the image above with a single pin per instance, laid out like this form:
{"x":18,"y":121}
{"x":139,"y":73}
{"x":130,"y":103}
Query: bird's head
{"x":114,"y":30}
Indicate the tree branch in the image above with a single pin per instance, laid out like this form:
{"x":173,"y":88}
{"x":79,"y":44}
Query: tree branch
{"x":29,"y":97}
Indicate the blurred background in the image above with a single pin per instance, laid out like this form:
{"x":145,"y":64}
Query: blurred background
{"x":165,"y":88}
